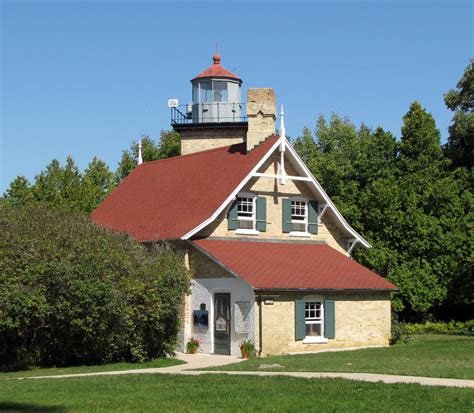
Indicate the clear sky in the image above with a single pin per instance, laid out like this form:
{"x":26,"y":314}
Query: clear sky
{"x":87,"y":78}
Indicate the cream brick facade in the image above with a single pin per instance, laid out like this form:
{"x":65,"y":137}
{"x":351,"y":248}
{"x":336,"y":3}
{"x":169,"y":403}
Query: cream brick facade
{"x":362,"y":319}
{"x":261,"y":112}
{"x":197,"y":140}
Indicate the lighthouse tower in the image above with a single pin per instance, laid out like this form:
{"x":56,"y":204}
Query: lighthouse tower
{"x":217,"y":117}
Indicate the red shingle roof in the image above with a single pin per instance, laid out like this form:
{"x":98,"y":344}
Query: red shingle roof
{"x":166,"y":199}
{"x":216,"y":70}
{"x":293,"y":266}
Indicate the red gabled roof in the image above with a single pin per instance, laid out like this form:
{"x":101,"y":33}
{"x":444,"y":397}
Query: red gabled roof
{"x":292,"y":266}
{"x":166,"y":199}
{"x":216,"y":70}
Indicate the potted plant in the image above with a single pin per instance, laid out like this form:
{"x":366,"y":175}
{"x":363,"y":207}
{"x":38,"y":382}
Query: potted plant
{"x":192,"y":345}
{"x":247,"y":348}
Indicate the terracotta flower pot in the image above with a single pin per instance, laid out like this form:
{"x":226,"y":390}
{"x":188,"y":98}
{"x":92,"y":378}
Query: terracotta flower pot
{"x":192,"y":351}
{"x":245,"y":355}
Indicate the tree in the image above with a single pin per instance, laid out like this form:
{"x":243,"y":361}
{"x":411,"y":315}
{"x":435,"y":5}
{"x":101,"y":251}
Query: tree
{"x":64,"y":187}
{"x":72,"y":293}
{"x":60,"y":187}
{"x":460,"y":145}
{"x":19,"y":192}
{"x":168,"y":146}
{"x":98,"y":182}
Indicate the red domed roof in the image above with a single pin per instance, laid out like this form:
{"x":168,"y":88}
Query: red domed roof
{"x":216,"y":70}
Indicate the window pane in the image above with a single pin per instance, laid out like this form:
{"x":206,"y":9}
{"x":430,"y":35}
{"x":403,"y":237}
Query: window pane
{"x":245,"y":224}
{"x":300,"y":227}
{"x":206,"y":91}
{"x":313,"y":329}
{"x":220,"y":91}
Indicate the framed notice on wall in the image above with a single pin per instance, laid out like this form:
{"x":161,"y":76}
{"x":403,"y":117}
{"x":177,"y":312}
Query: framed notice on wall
{"x":242,"y":317}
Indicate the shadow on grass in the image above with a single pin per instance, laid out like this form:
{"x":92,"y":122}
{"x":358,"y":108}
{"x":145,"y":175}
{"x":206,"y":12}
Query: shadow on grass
{"x":28,"y":407}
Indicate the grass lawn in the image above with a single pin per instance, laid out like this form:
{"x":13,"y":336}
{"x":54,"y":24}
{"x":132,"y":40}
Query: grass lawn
{"x":172,"y":393}
{"x":90,"y":369}
{"x":425,"y":355}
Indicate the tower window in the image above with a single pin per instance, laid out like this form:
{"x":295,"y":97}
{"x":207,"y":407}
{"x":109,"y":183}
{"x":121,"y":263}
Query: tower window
{"x":220,"y":91}
{"x":206,"y":91}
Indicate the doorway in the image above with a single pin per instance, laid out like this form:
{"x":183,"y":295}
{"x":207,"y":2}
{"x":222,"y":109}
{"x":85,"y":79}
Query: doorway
{"x":222,"y":323}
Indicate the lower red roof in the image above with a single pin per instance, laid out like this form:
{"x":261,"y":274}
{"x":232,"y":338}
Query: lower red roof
{"x":292,"y":266}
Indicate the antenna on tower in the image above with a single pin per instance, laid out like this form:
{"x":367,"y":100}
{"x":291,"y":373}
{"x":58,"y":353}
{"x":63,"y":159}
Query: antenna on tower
{"x":140,"y":159}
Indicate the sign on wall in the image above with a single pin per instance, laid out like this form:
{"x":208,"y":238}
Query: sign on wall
{"x":242,"y":317}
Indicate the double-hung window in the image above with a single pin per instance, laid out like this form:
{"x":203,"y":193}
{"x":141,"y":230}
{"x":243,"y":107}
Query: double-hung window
{"x":314,"y":319}
{"x":299,"y":216}
{"x":246,"y":212}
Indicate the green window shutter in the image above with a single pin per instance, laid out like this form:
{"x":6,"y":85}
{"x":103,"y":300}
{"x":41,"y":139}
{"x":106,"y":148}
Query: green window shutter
{"x":261,"y":214}
{"x":286,"y":215}
{"x":232,"y":222}
{"x":312,"y":217}
{"x":300,"y":328}
{"x":329,"y":319}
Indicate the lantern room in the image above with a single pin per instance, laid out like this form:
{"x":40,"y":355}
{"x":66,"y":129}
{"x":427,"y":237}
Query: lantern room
{"x":216,"y":98}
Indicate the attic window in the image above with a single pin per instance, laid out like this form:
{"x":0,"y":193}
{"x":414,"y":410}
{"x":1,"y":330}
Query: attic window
{"x":246,"y":212}
{"x":299,"y":215}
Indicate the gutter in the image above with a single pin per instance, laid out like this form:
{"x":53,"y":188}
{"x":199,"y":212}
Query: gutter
{"x":260,"y":325}
{"x":324,"y":289}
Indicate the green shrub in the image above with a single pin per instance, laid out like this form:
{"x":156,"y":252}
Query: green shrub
{"x":72,"y":293}
{"x":400,"y":332}
{"x":458,"y":328}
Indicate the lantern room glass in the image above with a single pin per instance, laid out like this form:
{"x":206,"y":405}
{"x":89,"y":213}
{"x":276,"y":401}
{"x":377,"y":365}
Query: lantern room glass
{"x":210,"y":91}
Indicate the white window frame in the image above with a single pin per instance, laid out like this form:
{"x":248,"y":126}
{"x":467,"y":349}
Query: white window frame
{"x":320,"y":321}
{"x":253,"y":230}
{"x":304,"y":233}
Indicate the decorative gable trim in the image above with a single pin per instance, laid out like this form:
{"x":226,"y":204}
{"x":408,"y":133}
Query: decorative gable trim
{"x":308,"y":177}
{"x":316,"y":185}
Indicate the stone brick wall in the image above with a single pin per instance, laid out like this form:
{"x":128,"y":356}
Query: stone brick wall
{"x":201,"y":139}
{"x":362,"y":319}
{"x":274,"y":192}
{"x":261,"y":112}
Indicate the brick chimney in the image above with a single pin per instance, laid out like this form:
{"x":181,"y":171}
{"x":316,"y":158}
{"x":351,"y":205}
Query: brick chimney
{"x":261,"y":112}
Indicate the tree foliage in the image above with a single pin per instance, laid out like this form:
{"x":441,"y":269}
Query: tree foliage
{"x":64,"y":187}
{"x":72,"y":293}
{"x":460,"y":145}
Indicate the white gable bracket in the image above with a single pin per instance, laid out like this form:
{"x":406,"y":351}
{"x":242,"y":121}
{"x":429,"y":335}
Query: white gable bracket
{"x":351,"y":243}
{"x":322,"y":208}
{"x":276,"y":176}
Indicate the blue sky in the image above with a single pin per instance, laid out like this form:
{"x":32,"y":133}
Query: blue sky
{"x":87,"y":78}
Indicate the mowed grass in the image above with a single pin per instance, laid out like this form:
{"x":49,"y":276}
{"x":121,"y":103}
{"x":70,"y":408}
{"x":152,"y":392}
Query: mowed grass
{"x":168,"y":362}
{"x":219,"y":393}
{"x":426,"y":355}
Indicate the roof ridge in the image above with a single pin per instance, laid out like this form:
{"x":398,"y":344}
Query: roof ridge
{"x":220,"y":148}
{"x":188,"y":155}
